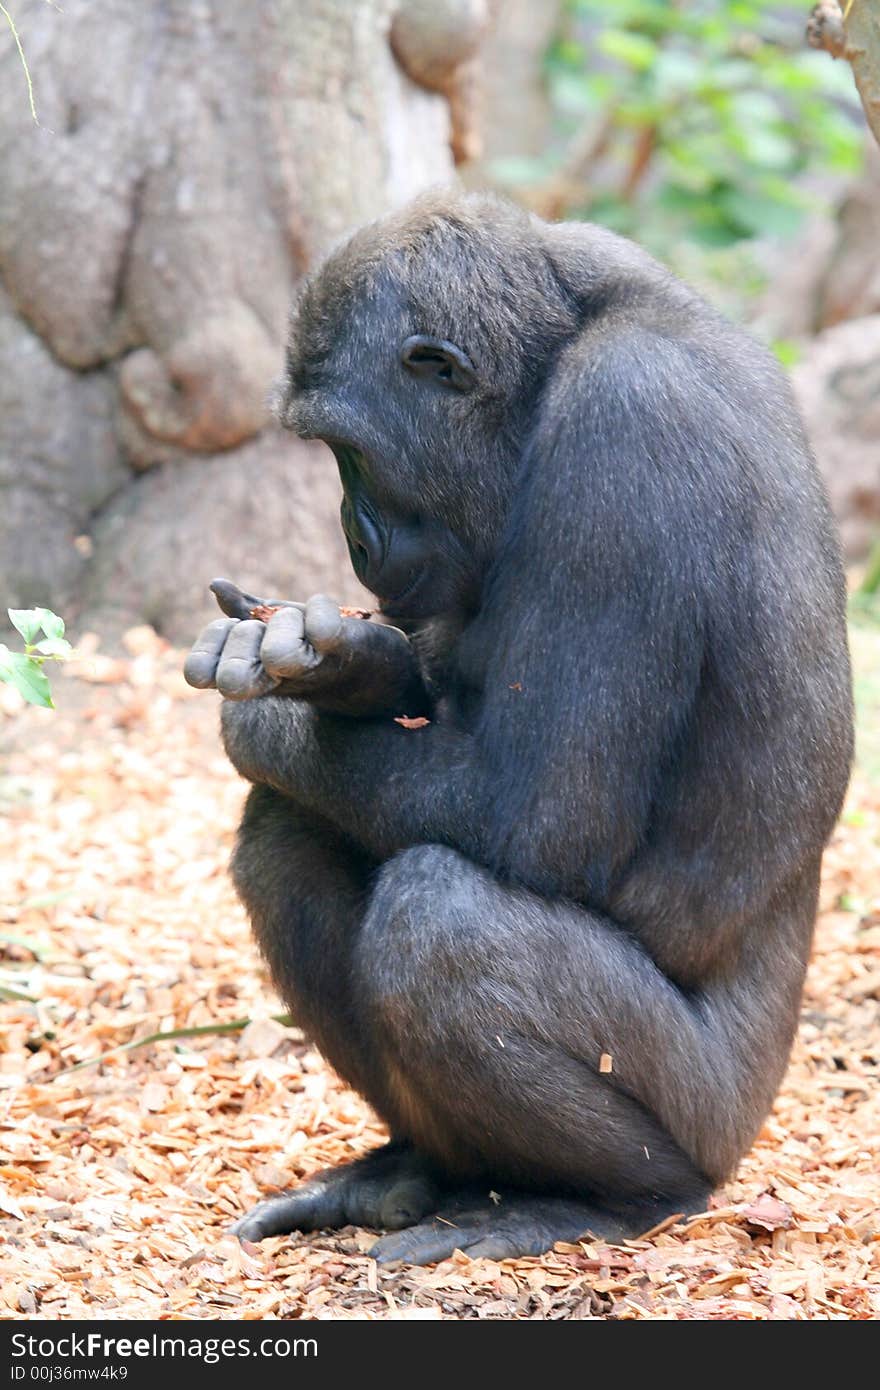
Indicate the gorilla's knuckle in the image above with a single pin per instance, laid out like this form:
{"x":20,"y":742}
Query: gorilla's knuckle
{"x":281,"y":657}
{"x":323,"y":620}
{"x":235,"y":678}
{"x":324,"y":629}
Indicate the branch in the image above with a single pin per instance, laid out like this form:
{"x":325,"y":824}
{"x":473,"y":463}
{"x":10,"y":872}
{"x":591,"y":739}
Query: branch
{"x":852,"y":33}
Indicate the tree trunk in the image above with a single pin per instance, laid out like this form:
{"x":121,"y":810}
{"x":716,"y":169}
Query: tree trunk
{"x":519,"y":118}
{"x":193,"y":159}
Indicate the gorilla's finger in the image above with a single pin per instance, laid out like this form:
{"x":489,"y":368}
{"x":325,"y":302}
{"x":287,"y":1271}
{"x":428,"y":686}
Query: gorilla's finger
{"x":200,"y":666}
{"x":504,"y":1245}
{"x":305,"y":1209}
{"x":238,"y":604}
{"x":285,"y":653}
{"x":325,"y":624}
{"x":424,"y":1244}
{"x":240,"y":674}
{"x":232,"y":600}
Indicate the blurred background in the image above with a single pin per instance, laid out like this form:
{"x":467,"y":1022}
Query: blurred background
{"x":169,"y":170}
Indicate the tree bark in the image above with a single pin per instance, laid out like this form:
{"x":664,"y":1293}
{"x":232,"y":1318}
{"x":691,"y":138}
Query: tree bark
{"x":193,"y":159}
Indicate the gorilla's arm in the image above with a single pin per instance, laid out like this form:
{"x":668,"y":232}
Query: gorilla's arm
{"x":385,"y":786}
{"x":587,"y":685}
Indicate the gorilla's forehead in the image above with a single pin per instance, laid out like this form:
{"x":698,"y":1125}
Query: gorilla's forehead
{"x":342,"y":320}
{"x":446,"y":258}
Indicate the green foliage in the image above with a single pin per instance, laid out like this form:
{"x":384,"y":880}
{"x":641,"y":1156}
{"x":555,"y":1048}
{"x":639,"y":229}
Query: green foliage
{"x":24,"y":670}
{"x":787,"y":352}
{"x":870,"y":585}
{"x":709,"y":118}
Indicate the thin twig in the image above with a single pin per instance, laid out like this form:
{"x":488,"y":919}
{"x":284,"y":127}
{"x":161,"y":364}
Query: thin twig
{"x":235,"y":1025}
{"x":7,"y":992}
{"x":27,"y":72}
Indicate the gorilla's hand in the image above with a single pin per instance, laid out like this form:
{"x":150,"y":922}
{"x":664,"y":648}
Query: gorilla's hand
{"x":309,"y":651}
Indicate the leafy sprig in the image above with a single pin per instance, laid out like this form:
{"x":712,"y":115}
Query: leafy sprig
{"x":44,"y":640}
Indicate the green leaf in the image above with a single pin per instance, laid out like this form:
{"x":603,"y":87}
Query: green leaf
{"x":714,"y":235}
{"x":568,"y":51}
{"x":847,"y":902}
{"x":675,"y":73}
{"x":787,"y":352}
{"x":52,"y":625}
{"x":635,"y":50}
{"x":27,"y":621}
{"x":54,"y":646}
{"x":27,"y":677}
{"x":518,"y":169}
{"x":761,"y":214}
{"x":573,"y":93}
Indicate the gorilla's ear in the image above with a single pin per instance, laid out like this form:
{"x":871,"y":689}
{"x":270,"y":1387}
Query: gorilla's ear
{"x":438,"y":361}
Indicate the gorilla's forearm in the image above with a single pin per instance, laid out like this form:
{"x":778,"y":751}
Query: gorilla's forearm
{"x":386,"y":787}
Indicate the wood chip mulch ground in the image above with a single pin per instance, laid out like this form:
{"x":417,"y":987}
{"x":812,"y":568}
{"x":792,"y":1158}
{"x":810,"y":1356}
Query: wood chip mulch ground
{"x":117,"y":1181}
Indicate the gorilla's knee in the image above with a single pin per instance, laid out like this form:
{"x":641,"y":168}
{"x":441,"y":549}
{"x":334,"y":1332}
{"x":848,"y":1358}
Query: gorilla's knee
{"x":415,"y":928}
{"x":421,"y":871}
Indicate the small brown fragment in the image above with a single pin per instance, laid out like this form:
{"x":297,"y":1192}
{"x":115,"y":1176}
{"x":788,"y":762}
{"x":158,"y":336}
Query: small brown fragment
{"x":364,"y":613}
{"x":606,"y":1062}
{"x":407,"y":723}
{"x":517,"y":685}
{"x":768,"y":1213}
{"x":264,"y":611}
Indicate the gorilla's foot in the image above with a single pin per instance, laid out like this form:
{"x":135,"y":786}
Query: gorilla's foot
{"x":388,"y":1189}
{"x":502,"y":1228}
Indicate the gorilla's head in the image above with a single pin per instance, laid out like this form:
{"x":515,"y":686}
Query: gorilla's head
{"x":417,"y":352}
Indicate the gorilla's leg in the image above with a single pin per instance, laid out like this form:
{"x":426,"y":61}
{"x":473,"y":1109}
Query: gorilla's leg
{"x":490,"y":1009}
{"x":305,"y":888}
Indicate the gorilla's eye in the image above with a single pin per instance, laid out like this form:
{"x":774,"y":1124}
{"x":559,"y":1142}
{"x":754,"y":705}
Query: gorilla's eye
{"x":436,"y":360}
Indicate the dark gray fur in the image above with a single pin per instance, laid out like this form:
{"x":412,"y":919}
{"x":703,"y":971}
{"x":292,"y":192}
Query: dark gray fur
{"x":630,"y":641}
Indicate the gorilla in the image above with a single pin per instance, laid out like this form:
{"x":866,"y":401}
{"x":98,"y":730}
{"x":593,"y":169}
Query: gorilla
{"x":554,"y":925}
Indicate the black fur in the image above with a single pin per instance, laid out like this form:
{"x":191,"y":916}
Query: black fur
{"x":625,"y":605}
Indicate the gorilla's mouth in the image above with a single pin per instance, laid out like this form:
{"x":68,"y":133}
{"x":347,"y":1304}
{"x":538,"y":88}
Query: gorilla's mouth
{"x":392,"y":605}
